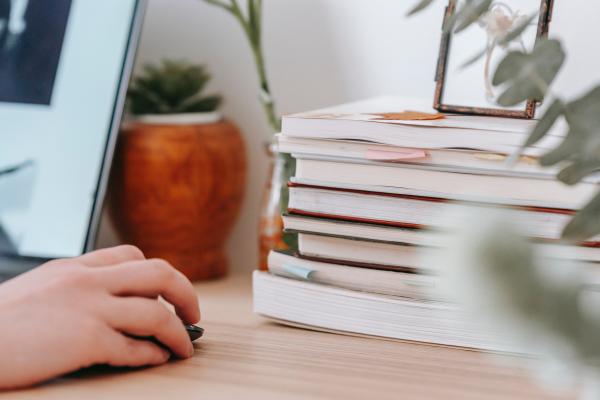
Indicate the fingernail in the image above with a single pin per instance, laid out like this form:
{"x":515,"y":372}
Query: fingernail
{"x":166,"y":355}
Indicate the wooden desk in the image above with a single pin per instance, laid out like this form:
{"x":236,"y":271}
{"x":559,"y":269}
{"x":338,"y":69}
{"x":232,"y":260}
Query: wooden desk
{"x":244,"y":356}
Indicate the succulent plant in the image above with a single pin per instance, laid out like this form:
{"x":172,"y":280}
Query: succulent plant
{"x":171,"y":87}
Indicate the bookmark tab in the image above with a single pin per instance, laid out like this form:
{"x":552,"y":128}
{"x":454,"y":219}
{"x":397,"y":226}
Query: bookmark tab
{"x":398,"y":155}
{"x":298,"y":272}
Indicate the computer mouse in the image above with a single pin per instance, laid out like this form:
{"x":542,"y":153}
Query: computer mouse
{"x":194,"y":332}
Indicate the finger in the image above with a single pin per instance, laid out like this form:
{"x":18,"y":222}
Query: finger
{"x":152,"y":278}
{"x":148,"y":318}
{"x":124,"y":351}
{"x":111,"y":256}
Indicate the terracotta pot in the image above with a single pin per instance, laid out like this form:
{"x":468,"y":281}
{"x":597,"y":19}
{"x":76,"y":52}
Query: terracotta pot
{"x":176,"y":191}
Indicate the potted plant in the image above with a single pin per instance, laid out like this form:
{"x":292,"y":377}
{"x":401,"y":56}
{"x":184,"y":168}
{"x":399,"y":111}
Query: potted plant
{"x":179,"y":171}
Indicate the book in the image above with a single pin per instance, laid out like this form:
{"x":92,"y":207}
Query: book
{"x":361,"y":230}
{"x":399,"y":257}
{"x":400,"y":179}
{"x":322,"y":307}
{"x":418,"y":212}
{"x":406,"y":257}
{"x":471,"y":161}
{"x":373,"y":121}
{"x":373,"y":186}
{"x":390,"y":283}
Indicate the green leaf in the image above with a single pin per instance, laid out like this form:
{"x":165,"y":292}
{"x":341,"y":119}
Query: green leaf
{"x":144,"y":101}
{"x":219,"y":3}
{"x":582,"y":141}
{"x":583,"y":115}
{"x":566,"y":150}
{"x":574,"y":173}
{"x":420,"y":6}
{"x":170,"y":87}
{"x":473,"y":59}
{"x":518,"y":31}
{"x":468,"y":14}
{"x":200,"y":104}
{"x":528,"y":76}
{"x":586,"y":223}
{"x":545,"y":123}
{"x":541,"y":128}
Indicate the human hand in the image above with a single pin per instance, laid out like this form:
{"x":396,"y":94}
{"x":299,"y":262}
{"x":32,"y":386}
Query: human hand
{"x":74,"y":313}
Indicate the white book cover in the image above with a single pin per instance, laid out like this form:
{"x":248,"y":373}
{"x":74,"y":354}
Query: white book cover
{"x":391,"y":283}
{"x":321,"y":307}
{"x":470,"y":161}
{"x":443,"y":184}
{"x":419,"y":212}
{"x":373,"y":121}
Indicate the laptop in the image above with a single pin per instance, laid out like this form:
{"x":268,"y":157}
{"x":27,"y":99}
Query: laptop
{"x":64,"y":70}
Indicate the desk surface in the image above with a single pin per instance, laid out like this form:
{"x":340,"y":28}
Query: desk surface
{"x":244,"y":356}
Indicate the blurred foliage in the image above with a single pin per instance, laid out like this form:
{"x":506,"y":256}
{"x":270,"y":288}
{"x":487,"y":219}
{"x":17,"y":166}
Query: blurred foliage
{"x":423,"y":4}
{"x":529,"y":75}
{"x":171,"y":87}
{"x":545,"y":307}
{"x":466,"y":14}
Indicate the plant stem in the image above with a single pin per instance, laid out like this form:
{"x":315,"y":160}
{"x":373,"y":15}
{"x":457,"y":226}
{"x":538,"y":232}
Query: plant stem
{"x":255,"y":38}
{"x":252,"y":27}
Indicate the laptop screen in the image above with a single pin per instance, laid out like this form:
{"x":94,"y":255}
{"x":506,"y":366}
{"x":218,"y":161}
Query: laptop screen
{"x":61,"y":69}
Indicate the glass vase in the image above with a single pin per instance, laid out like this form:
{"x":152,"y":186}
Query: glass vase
{"x":275,"y":201}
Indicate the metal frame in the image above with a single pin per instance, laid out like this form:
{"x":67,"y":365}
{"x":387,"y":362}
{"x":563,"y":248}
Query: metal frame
{"x":440,"y":77}
{"x":117,"y":115}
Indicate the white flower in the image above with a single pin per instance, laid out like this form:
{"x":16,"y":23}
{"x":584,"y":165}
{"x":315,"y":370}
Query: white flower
{"x":499,"y":21}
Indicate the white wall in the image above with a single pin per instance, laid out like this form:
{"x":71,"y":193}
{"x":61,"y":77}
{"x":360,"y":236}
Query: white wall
{"x":323,"y":52}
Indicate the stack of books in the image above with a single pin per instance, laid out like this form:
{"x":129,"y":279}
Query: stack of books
{"x":369,"y":199}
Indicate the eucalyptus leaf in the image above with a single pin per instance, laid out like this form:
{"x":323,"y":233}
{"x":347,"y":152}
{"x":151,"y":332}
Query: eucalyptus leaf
{"x":512,"y":35}
{"x":516,"y":32}
{"x":583,"y":114}
{"x":566,"y":150}
{"x":574,"y":173}
{"x":586,"y":222}
{"x":545,"y":123}
{"x":583,"y":138}
{"x":420,"y":6}
{"x":468,"y":14}
{"x":478,"y":56}
{"x":528,"y":76}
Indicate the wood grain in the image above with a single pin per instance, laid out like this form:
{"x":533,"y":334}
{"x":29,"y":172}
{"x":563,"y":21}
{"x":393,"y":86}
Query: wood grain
{"x":244,"y":356}
{"x":176,"y":192}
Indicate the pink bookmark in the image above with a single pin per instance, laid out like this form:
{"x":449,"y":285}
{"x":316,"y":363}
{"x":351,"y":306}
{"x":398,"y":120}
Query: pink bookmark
{"x":399,"y":155}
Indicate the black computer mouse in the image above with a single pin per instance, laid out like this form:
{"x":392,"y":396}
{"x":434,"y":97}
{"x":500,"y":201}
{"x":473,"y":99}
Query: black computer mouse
{"x":194,"y":332}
